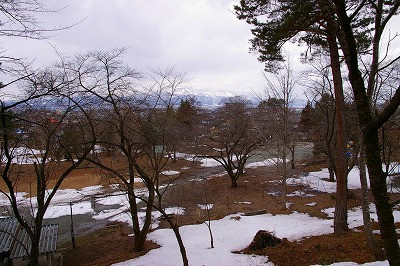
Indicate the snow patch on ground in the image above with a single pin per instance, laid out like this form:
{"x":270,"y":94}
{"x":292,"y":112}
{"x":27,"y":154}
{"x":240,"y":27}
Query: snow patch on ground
{"x":208,"y":162}
{"x":175,"y":210}
{"x":205,"y":162}
{"x":115,"y":199}
{"x":318,"y":180}
{"x":64,"y":210}
{"x":59,"y":205}
{"x":355,"y":217}
{"x":197,"y":179}
{"x":196,"y":239}
{"x":300,"y":194}
{"x":205,"y":207}
{"x":170,"y":172}
{"x":243,"y":202}
{"x":267,"y":162}
{"x":20,"y":196}
{"x":24,"y":155}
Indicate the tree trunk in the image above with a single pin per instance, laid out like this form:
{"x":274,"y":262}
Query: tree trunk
{"x":370,"y":134}
{"x":331,"y":174}
{"x":292,"y":160}
{"x":284,"y":185}
{"x":175,"y":228}
{"x":331,"y":161}
{"x":149,"y":209}
{"x":140,"y":234}
{"x":382,"y":200}
{"x":139,"y":239}
{"x":371,"y":242}
{"x":234,"y":182}
{"x":211,"y":235}
{"x":340,"y":218}
{"x":34,"y":252}
{"x":241,"y":169}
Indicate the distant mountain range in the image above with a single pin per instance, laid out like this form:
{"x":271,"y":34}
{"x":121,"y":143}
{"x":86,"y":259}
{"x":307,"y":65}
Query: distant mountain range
{"x":207,"y":99}
{"x":213,"y":99}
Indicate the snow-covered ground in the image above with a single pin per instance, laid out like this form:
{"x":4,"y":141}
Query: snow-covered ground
{"x":209,"y":162}
{"x":205,"y":206}
{"x":84,"y":201}
{"x":233,"y":234}
{"x":170,"y":172}
{"x":318,"y":180}
{"x":267,"y":162}
{"x":23,"y":155}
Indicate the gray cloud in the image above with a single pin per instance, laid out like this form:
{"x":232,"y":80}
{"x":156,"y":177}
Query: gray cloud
{"x":201,"y":37}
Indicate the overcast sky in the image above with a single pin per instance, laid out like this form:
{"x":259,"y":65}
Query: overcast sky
{"x":201,"y":37}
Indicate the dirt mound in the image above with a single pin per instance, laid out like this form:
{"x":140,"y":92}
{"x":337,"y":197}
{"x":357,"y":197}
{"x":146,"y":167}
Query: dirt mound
{"x":322,"y":250}
{"x":262,"y":240}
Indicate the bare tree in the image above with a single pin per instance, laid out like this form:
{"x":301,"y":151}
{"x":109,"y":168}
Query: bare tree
{"x":204,"y":214}
{"x":280,"y":87}
{"x":33,"y":123}
{"x":136,"y":120}
{"x":233,"y":137}
{"x":19,"y":18}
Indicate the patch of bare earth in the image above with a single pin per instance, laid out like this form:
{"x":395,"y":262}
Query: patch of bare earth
{"x":325,"y":249}
{"x":103,"y":247}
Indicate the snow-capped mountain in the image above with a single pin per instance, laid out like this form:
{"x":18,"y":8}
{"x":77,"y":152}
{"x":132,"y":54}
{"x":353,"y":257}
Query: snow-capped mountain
{"x":212,"y":99}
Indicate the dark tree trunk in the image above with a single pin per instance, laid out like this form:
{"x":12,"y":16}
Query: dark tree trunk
{"x":139,"y":239}
{"x":371,"y":242}
{"x":175,"y":228}
{"x":234,"y":182}
{"x":232,"y":175}
{"x":382,"y":200}
{"x":211,"y":235}
{"x":140,"y":234}
{"x":331,"y":161}
{"x":370,"y":135}
{"x":292,"y":160}
{"x":35,"y":241}
{"x":331,"y":174}
{"x":34,"y":254}
{"x":284,"y":186}
{"x":340,"y":218}
{"x":241,"y":170}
